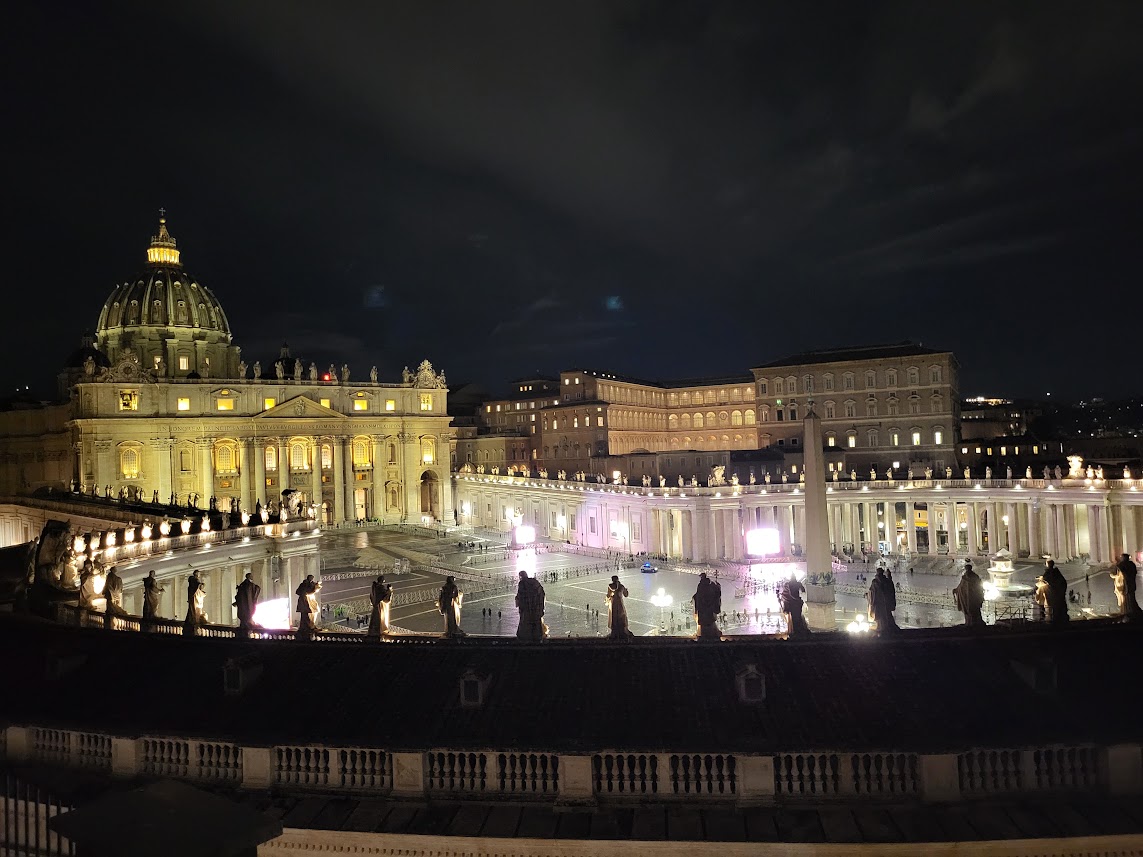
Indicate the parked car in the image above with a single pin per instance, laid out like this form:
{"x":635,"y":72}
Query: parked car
{"x":649,"y":569}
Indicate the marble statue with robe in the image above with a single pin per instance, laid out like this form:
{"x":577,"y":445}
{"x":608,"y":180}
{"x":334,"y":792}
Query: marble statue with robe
{"x":380,"y":597}
{"x":969,"y":596}
{"x":449,"y":603}
{"x":1125,"y":573}
{"x":1052,"y":593}
{"x":882,"y":602}
{"x":246,"y":600}
{"x":708,"y":604}
{"x":196,"y":595}
{"x":298,"y":369}
{"x":791,"y":603}
{"x":87,"y":593}
{"x":530,"y":602}
{"x":307,"y":606}
{"x":113,"y":591}
{"x":617,"y":610}
{"x":373,"y":375}
{"x":151,"y":593}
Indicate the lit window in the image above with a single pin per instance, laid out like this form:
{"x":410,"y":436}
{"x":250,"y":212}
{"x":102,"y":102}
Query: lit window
{"x":226,"y":458}
{"x":852,"y":441}
{"x":324,"y":403}
{"x":978,"y":450}
{"x":184,"y":363}
{"x":1035,"y":450}
{"x":964,"y":450}
{"x":427,"y":402}
{"x":271,"y":458}
{"x":567,"y":381}
{"x":916,"y":438}
{"x":391,"y":405}
{"x":129,"y":463}
{"x":326,"y":456}
{"x":487,"y":408}
{"x":1003,"y":450}
{"x":268,"y":403}
{"x":225,"y":404}
{"x":599,"y":421}
{"x":577,"y":380}
{"x":360,"y":404}
{"x":298,"y":457}
{"x":575,"y":422}
{"x":831,"y":441}
{"x":183,"y":404}
{"x":128,"y":400}
{"x":428,"y":452}
{"x":938,"y":437}
{"x":555,"y":423}
{"x":894,"y":438}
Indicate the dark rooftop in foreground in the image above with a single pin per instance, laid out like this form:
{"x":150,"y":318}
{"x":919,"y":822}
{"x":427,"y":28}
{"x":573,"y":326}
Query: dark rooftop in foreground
{"x":924,"y":691}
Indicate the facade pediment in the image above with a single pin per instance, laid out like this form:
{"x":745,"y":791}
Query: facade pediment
{"x":300,"y":407}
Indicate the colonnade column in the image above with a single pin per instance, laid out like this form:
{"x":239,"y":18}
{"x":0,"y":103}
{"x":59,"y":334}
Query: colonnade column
{"x":1130,"y":531}
{"x":258,"y":457}
{"x":952,"y":529}
{"x":245,"y":475}
{"x":315,"y":475}
{"x":911,"y":526}
{"x":1035,"y":519}
{"x":1013,"y":528}
{"x":338,"y":462}
{"x":799,"y":517}
{"x":785,"y":526}
{"x":973,"y":520}
{"x":1115,"y":519}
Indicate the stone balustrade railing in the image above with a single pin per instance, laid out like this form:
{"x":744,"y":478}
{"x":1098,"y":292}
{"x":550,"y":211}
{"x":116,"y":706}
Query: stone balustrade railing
{"x":603,"y":776}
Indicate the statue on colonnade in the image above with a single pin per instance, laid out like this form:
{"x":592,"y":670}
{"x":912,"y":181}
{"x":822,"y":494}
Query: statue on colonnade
{"x":246,"y":597}
{"x":307,"y":606}
{"x":449,"y":603}
{"x":969,"y":596}
{"x":791,"y":603}
{"x":1124,"y":573}
{"x":113,"y":592}
{"x":708,"y":604}
{"x":1052,"y":593}
{"x":151,"y":592}
{"x":530,"y":602}
{"x":883,"y":601}
{"x":617,"y":610}
{"x":380,"y":597}
{"x":196,"y":595}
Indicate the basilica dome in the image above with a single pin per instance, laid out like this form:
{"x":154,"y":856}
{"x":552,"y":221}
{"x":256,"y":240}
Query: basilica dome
{"x":163,"y":295}
{"x":166,"y":321}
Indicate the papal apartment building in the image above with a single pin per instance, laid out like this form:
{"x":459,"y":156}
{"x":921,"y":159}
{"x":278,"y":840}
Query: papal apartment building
{"x":885,"y":407}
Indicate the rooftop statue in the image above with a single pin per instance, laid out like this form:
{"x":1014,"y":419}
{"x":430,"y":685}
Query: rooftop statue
{"x":307,"y":606}
{"x":791,"y":603}
{"x":449,"y":602}
{"x":380,"y":597}
{"x":1052,"y":593}
{"x":257,"y":369}
{"x":969,"y":596}
{"x":196,"y":595}
{"x":297,"y":369}
{"x":151,"y":593}
{"x":246,"y":597}
{"x":617,"y":610}
{"x":708,"y":604}
{"x":882,"y":602}
{"x":113,"y":591}
{"x":530,"y":602}
{"x":373,"y":374}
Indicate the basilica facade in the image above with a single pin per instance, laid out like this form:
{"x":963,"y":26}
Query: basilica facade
{"x":160,"y":406}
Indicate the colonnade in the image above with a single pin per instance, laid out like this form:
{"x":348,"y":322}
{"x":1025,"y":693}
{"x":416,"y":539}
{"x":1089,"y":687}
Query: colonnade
{"x":1065,"y":520}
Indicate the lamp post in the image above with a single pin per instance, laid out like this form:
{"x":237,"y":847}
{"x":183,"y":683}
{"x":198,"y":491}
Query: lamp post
{"x":662,"y":600}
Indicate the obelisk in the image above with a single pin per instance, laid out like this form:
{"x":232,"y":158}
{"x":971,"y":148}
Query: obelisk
{"x":819,"y":613}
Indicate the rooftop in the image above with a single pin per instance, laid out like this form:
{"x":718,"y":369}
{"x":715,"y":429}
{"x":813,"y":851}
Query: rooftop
{"x":862,"y":352}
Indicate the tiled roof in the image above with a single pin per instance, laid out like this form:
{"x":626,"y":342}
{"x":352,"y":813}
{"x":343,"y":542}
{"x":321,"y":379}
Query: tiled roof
{"x":844,"y":355}
{"x":922,"y":691}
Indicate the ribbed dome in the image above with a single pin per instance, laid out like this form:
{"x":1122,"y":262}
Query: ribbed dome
{"x":163,"y":295}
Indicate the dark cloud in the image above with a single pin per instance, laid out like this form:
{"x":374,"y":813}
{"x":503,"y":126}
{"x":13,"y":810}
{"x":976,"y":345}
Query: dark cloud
{"x":379,"y":182}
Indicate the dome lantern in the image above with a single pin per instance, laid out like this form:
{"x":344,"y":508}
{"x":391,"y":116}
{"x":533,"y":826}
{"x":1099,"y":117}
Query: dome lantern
{"x":163,"y":249}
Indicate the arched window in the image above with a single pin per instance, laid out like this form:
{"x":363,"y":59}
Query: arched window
{"x":914,"y":376}
{"x":851,"y":439}
{"x":428,"y":451}
{"x":934,"y":374}
{"x":736,"y":418}
{"x":749,"y":416}
{"x":225,"y":456}
{"x":673,"y":422}
{"x":710,"y":419}
{"x":871,"y":437}
{"x":870,"y":379}
{"x":697,"y":423}
{"x":129,"y":463}
{"x":360,"y":453}
{"x":298,"y":457}
{"x":830,"y":410}
{"x":847,"y":381}
{"x":685,"y":421}
{"x":827,"y":381}
{"x":392,"y":453}
{"x":890,"y":377}
{"x":270,"y":454}
{"x":850,"y":408}
{"x":326,"y":456}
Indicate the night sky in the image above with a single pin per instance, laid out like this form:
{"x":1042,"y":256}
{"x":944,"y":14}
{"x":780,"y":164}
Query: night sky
{"x":666,"y":190}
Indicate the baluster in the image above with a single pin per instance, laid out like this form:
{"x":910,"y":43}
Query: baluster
{"x":720,"y":776}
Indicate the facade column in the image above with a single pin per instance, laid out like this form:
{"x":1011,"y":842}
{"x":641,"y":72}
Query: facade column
{"x":1051,"y":545}
{"x":376,"y":505}
{"x":995,"y":540}
{"x":245,"y":475}
{"x":338,"y":479}
{"x":258,"y":486}
{"x":349,"y":483}
{"x":285,"y":473}
{"x":315,"y":475}
{"x":973,"y":520}
{"x":206,"y":474}
{"x":161,"y":456}
{"x":411,"y":481}
{"x":1035,"y":519}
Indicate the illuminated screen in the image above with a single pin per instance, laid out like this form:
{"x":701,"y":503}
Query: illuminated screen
{"x":273,"y":614}
{"x":525,"y":535}
{"x":762,"y":542}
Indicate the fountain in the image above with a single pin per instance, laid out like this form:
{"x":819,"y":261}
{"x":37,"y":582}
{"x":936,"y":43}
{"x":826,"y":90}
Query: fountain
{"x":1000,"y":583}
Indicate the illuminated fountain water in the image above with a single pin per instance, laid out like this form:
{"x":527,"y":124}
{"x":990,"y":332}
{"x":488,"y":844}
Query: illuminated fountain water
{"x":1000,"y":583}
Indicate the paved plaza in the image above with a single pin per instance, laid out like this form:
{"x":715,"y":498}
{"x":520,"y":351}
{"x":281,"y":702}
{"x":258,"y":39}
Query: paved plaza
{"x":575,"y":601}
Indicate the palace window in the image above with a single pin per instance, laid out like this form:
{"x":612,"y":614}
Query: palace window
{"x":890,"y":377}
{"x":807,"y":383}
{"x":936,"y":404}
{"x":870,"y":407}
{"x":934,"y":374}
{"x":268,"y":403}
{"x":791,"y":385}
{"x":779,"y":387}
{"x":871,"y":437}
{"x":914,"y":376}
{"x":748,"y":416}
{"x":736,"y":418}
{"x":428,"y":451}
{"x":324,"y":403}
{"x":827,"y":382}
{"x":914,"y":404}
{"x":847,"y":381}
{"x":392,"y":453}
{"x":225,"y":459}
{"x":830,"y":410}
{"x":736,"y":395}
{"x":129,"y":463}
{"x":938,"y":436}
{"x":916,"y":438}
{"x":697,"y":422}
{"x":763,"y":388}
{"x":128,"y":400}
{"x":271,"y":458}
{"x":850,"y":408}
{"x":390,"y":404}
{"x":184,"y":363}
{"x":894,"y":406}
{"x":831,"y":440}
{"x":426,"y":401}
{"x":185,"y":461}
{"x":870,"y":380}
{"x":298,"y":458}
{"x":894,"y":438}
{"x":225,"y":404}
{"x":183,"y":404}
{"x":360,"y":404}
{"x":326,"y":456}
{"x":793,"y":411}
{"x":851,"y":440}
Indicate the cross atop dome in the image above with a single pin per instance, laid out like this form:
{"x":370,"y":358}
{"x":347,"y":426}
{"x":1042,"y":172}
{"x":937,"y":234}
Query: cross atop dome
{"x":163,"y":250}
